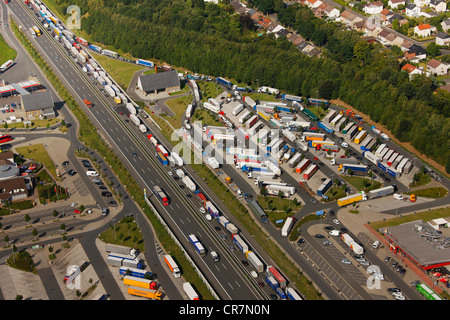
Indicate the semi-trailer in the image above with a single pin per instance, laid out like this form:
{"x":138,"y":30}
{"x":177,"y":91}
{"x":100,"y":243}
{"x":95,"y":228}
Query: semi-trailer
{"x":310,"y":171}
{"x":350,"y":133}
{"x":339,"y":161}
{"x":302,"y":165}
{"x":272,"y":271}
{"x":360,"y":136}
{"x":351,"y":198}
{"x":255,"y":261}
{"x":251,"y":121}
{"x":119,"y":260}
{"x":292,"y":294}
{"x":139,"y":282}
{"x":381,"y":192}
{"x":287,"y":227}
{"x":348,"y":240}
{"x":172,"y":266}
{"x":224,"y":81}
{"x":347,"y":127}
{"x":291,"y":97}
{"x":189,"y":290}
{"x":160,"y":148}
{"x":71,"y":274}
{"x":294,"y":160}
{"x":359,"y":168}
{"x":212,"y":210}
{"x":325,"y":127}
{"x":323,"y":188}
{"x":388,"y":155}
{"x":145,"y":293}
{"x":264,"y":115}
{"x":197,"y":245}
{"x":115,"y":248}
{"x":309,"y":136}
{"x":240,"y":243}
{"x":133,"y":272}
{"x":161,"y":158}
{"x":249,"y":101}
{"x":228,"y":225}
{"x":145,"y":63}
{"x":271,"y":282}
{"x":289,"y":135}
{"x":161,"y":195}
{"x":371,"y":157}
{"x":280,"y":293}
{"x":236,"y":110}
{"x":189,"y":183}
{"x":244,"y":116}
{"x":286,"y":191}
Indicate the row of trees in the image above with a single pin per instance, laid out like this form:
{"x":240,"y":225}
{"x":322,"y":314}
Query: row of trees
{"x":366,"y":76}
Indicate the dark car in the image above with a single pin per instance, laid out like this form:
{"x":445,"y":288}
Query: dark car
{"x":71,"y":172}
{"x":65,"y":163}
{"x":261,"y":284}
{"x":245,"y":262}
{"x":106,"y":194}
{"x":320,"y":236}
{"x":300,"y":241}
{"x":112,"y":202}
{"x":103,"y":188}
{"x":329,"y":228}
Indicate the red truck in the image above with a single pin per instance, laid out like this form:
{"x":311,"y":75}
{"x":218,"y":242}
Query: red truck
{"x":87,"y":103}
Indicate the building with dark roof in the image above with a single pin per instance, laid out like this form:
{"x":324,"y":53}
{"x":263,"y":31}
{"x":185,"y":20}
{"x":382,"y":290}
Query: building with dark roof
{"x":33,"y":105}
{"x":167,"y":81}
{"x":13,"y":189}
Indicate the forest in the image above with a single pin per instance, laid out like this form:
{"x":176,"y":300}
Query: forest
{"x":214,"y":40}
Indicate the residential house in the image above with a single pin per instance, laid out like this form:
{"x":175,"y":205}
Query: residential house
{"x":313,"y":4}
{"x":393,"y":4}
{"x":385,"y":14}
{"x":445,"y":24}
{"x":373,"y":7}
{"x":415,"y":53}
{"x":423,"y":30}
{"x":438,"y":5}
{"x":427,"y":13}
{"x":412,"y":10}
{"x":331,"y":12}
{"x":437,"y":67}
{"x":349,"y":18}
{"x":412,"y":70}
{"x":442,"y":39}
{"x":421,"y":3}
{"x":401,"y":19}
{"x":13,"y":189}
{"x":294,"y":38}
{"x":360,"y":26}
{"x":405,"y":46}
{"x":264,"y":22}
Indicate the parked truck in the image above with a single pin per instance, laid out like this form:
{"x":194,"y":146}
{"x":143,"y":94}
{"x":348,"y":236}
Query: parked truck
{"x":348,"y":240}
{"x":145,"y":293}
{"x":189,"y":183}
{"x":271,"y":282}
{"x":287,"y":227}
{"x":381,"y":192}
{"x":254,"y":260}
{"x":272,"y":271}
{"x":310,"y":171}
{"x":352,"y":198}
{"x":133,"y":272}
{"x":302,"y":165}
{"x":115,"y":248}
{"x":189,"y":290}
{"x":139,"y":282}
{"x":172,"y":266}
{"x":71,"y":274}
{"x":325,"y":127}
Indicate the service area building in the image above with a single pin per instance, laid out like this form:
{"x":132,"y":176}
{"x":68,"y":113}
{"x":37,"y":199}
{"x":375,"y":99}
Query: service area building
{"x":38,"y":105}
{"x":167,"y":82}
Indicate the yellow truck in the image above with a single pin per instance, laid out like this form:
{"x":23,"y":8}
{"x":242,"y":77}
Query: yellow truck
{"x":146,"y":293}
{"x":139,"y":282}
{"x":352,"y":198}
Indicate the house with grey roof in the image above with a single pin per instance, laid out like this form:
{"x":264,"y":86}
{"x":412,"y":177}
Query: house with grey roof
{"x":38,"y":105}
{"x":167,"y":81}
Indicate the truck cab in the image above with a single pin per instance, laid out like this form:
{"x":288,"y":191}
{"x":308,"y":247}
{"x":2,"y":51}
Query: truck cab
{"x":87,"y":102}
{"x":215,"y":256}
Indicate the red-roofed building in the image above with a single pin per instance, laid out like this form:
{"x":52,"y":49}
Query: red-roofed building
{"x":422,"y":30}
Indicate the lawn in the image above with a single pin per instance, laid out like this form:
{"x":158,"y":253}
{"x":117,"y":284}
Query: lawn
{"x":125,"y":233}
{"x":178,"y":106}
{"x":362,"y":184}
{"x":262,"y":97}
{"x":37,"y":152}
{"x":208,"y":90}
{"x":122,"y":72}
{"x":206,"y":117}
{"x":275,"y":205}
{"x":6,"y":52}
{"x":433,"y":193}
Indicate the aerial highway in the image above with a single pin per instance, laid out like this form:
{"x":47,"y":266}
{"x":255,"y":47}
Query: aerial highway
{"x":182,"y":215}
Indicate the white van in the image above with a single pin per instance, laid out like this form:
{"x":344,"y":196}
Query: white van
{"x":376,"y":244}
{"x":92,"y":173}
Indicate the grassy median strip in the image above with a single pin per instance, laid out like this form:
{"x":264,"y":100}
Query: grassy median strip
{"x":89,"y":135}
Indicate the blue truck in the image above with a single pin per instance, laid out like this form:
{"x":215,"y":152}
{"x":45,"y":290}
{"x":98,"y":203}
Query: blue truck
{"x":95,"y":48}
{"x":318,"y":102}
{"x":355,"y":167}
{"x":280,"y":293}
{"x":145,"y":63}
{"x":162,"y":158}
{"x":197,"y":245}
{"x":138,"y":273}
{"x":271,"y":282}
{"x":325,"y":127}
{"x":224,"y":81}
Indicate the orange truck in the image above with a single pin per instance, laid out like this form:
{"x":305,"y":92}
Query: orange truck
{"x":87,"y":102}
{"x":139,"y":282}
{"x":146,"y":293}
{"x":172,"y":266}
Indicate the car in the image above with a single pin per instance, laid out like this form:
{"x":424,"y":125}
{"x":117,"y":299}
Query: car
{"x":313,"y":200}
{"x":344,"y":230}
{"x":394,"y":264}
{"x":261,"y":284}
{"x":99,"y":183}
{"x":112,"y":202}
{"x":65,"y":163}
{"x":319,"y":236}
{"x":245,"y":262}
{"x":202,"y":210}
{"x":415,"y":283}
{"x":96,"y":180}
{"x":300,"y":241}
{"x":336,"y":221}
{"x":223,"y":237}
{"x":364,"y":263}
{"x":77,"y":211}
{"x":170,"y":173}
{"x":386,"y":259}
{"x":71,"y":172}
{"x":106,"y":194}
{"x":103,"y":188}
{"x":327,"y":242}
{"x":232,"y":248}
{"x":394,"y":290}
{"x":315,"y":158}
{"x":346,"y":261}
{"x":329,"y":228}
{"x":74,"y":204}
{"x":273,"y":296}
{"x":208,"y":217}
{"x":134,"y":154}
{"x":343,"y":156}
{"x":402,"y":270}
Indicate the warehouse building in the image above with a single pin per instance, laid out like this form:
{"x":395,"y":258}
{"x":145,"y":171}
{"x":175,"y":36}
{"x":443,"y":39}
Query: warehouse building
{"x":167,"y":82}
{"x":38,"y":105}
